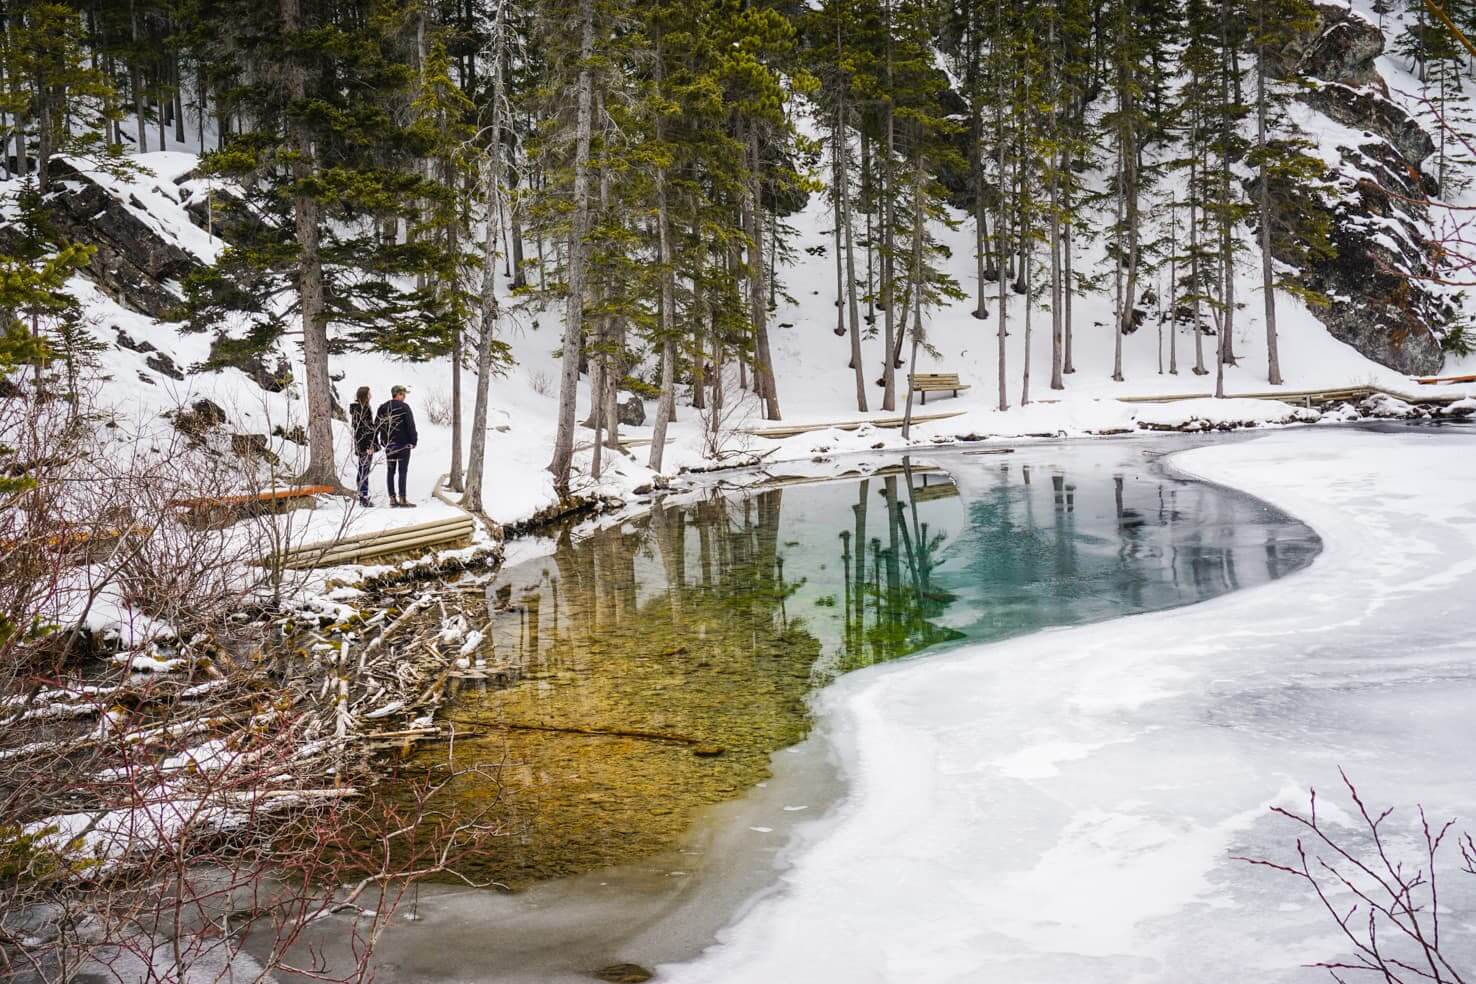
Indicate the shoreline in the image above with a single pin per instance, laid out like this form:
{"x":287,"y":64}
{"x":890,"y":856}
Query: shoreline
{"x":1023,"y":910}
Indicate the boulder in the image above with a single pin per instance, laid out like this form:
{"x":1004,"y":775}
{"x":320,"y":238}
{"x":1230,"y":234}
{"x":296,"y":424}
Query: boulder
{"x":199,"y":418}
{"x":164,"y":365}
{"x":632,"y":412}
{"x":256,"y":447}
{"x":1339,"y":45}
{"x":1377,"y":284}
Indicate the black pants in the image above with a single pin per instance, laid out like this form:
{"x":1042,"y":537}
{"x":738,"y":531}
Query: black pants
{"x":366,"y":462}
{"x":398,"y":461}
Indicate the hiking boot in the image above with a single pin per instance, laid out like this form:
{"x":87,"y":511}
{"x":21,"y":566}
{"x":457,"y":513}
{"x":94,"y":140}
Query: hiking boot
{"x":365,"y":501}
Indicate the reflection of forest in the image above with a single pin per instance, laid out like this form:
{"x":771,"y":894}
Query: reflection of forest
{"x":1041,"y":548}
{"x":674,"y":625}
{"x":888,"y":591}
{"x":627,"y":659}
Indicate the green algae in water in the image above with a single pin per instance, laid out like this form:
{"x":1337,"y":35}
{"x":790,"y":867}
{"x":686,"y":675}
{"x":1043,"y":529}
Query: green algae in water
{"x":656,"y":666}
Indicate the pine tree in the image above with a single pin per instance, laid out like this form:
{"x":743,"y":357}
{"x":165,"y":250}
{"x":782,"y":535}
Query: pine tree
{"x":334,"y":168}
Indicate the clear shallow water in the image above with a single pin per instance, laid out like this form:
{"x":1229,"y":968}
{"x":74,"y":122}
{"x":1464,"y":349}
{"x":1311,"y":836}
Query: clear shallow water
{"x":650,"y":670}
{"x":715,"y":616}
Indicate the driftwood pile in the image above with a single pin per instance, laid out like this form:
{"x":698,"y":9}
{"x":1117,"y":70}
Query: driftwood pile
{"x":379,"y":676}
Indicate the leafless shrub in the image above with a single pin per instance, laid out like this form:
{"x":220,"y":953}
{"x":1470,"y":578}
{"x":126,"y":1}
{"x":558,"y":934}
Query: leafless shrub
{"x":184,"y":858}
{"x":540,"y":382}
{"x":1387,"y":907}
{"x":726,"y":415}
{"x":438,"y":409}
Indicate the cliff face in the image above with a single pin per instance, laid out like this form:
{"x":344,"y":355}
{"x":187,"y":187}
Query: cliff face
{"x":1381,"y":300}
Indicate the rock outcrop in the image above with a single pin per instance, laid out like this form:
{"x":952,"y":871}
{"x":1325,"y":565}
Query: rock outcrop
{"x":1339,"y":45}
{"x":1378,"y":282}
{"x":133,"y":263}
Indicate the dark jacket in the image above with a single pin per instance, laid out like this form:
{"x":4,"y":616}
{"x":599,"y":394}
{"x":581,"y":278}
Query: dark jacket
{"x":396,"y":426}
{"x":362,"y":421}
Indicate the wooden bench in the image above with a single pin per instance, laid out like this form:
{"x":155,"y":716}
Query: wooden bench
{"x":929,"y":491}
{"x":935,"y":382}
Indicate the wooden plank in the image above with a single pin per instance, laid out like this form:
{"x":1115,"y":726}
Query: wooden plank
{"x":1436,"y":380}
{"x":274,"y":495}
{"x":374,"y":535}
{"x":1287,"y":396}
{"x":794,"y":430}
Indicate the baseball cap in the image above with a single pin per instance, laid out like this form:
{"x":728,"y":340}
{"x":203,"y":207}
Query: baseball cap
{"x":399,"y":390}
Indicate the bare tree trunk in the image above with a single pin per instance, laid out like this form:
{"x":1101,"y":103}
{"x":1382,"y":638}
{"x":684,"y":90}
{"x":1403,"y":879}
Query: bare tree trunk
{"x":1117,"y":283}
{"x":597,"y":388}
{"x":844,"y":194}
{"x":456,"y":478}
{"x":1227,"y":262}
{"x":699,"y":369}
{"x":1268,"y":283}
{"x":889,"y":280}
{"x":836,"y":238}
{"x":322,"y":469}
{"x":763,"y":360}
{"x":1067,"y":285}
{"x":1173,"y":291}
{"x":614,"y":373}
{"x":999,"y":225}
{"x":6,"y":72}
{"x":976,"y":170}
{"x":135,"y":80}
{"x":1029,"y":303}
{"x":1194,"y":281}
{"x":178,"y":111}
{"x":666,"y":405}
{"x":917,"y":282}
{"x":867,"y":180}
{"x":487,"y":324}
{"x":563,"y":455}
{"x":1057,"y":382}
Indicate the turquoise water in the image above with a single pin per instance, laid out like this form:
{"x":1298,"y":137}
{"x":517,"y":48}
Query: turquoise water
{"x":650,"y":669}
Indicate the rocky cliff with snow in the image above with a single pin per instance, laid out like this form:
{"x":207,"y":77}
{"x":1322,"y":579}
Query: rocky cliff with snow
{"x":1379,"y":283}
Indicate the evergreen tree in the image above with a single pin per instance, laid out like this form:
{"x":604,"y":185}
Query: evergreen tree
{"x":333,"y":169}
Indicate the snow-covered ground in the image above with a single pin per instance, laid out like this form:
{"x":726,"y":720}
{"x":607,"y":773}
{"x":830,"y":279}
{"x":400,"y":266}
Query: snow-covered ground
{"x":814,"y":382}
{"x":1065,"y":807}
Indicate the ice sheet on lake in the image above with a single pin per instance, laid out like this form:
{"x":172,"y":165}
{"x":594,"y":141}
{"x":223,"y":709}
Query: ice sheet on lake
{"x":1064,"y":807}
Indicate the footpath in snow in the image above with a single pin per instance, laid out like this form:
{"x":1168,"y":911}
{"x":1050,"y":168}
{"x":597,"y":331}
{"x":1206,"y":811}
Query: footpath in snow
{"x":1065,"y":807}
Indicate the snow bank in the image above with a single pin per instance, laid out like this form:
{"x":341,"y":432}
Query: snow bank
{"x":1064,"y":807}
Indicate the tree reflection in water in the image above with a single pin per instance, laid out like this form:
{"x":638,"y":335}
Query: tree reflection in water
{"x":628,"y":660}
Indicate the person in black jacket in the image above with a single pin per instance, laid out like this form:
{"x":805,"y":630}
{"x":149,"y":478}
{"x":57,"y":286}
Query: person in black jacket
{"x":395,"y":425}
{"x":361,"y":418}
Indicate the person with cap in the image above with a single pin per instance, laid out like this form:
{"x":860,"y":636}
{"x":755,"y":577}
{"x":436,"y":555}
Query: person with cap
{"x":395,"y":423}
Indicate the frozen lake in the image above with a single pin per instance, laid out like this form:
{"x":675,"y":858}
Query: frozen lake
{"x":1112,"y":695}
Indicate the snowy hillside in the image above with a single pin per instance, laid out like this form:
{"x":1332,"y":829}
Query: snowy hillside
{"x":147,"y":364}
